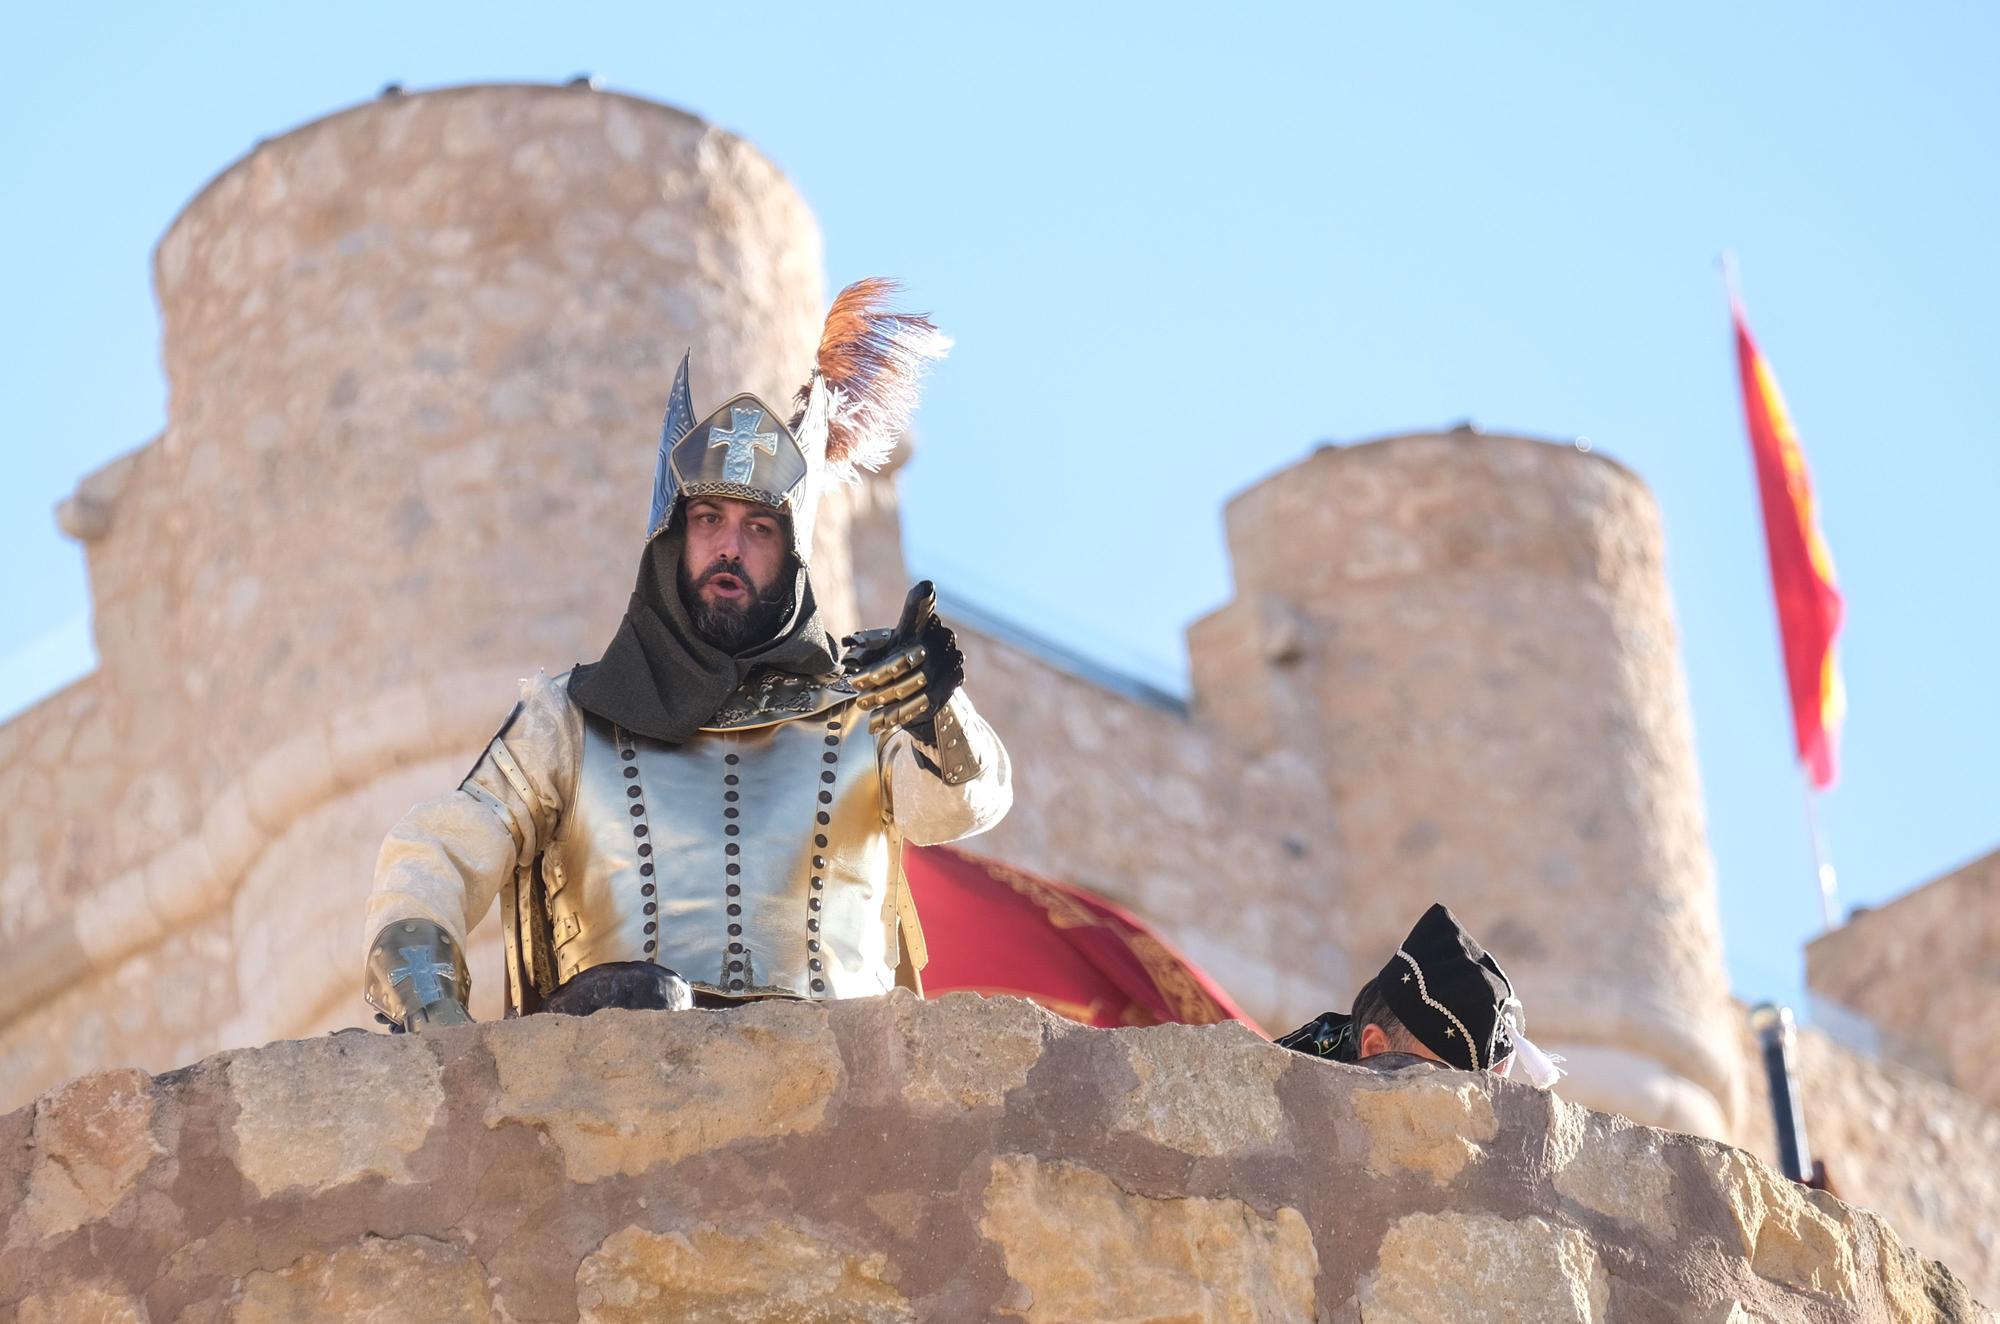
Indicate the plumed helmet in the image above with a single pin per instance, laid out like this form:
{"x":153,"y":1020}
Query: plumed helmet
{"x":846,"y":418}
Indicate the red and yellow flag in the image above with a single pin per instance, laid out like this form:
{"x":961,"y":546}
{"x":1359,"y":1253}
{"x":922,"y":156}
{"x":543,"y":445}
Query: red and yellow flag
{"x":1809,"y":604}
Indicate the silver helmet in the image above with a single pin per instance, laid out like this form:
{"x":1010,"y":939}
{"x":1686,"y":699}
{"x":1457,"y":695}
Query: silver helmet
{"x":847,"y":417}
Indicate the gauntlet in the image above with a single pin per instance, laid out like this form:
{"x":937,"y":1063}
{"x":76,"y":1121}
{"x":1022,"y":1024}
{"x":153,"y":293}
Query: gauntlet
{"x":416,"y":978}
{"x":906,"y":675}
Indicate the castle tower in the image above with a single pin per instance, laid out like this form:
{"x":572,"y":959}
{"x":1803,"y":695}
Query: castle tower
{"x":418,"y":353}
{"x":1472,"y":638}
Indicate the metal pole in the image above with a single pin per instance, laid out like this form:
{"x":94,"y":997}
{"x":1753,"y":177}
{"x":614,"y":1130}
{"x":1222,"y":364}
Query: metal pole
{"x":1775,"y":1033}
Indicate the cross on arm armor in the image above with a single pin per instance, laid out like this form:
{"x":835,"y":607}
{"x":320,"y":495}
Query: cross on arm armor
{"x":416,"y":977}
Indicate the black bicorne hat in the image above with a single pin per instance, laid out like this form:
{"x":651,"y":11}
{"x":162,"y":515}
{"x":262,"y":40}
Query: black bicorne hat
{"x":1449,"y":993}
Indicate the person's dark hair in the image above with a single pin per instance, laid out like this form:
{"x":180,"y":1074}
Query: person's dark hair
{"x":1370,"y":1007}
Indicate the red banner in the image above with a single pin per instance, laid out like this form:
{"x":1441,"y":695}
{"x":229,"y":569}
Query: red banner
{"x":992,"y":928}
{"x":1808,"y":601}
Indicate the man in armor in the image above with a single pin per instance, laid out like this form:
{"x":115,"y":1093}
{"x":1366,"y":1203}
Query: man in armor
{"x":715,"y":810}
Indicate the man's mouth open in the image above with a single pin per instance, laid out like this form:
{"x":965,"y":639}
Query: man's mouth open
{"x":728,"y":586}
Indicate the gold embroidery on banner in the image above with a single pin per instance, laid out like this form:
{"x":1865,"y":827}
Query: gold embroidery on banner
{"x":1190,"y":1003}
{"x":1064,"y":912}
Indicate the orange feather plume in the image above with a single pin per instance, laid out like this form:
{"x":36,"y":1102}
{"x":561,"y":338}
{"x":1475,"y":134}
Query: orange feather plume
{"x":870,"y":362}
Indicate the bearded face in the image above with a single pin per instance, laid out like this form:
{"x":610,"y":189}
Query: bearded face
{"x":732,"y":574}
{"x":730,"y":609}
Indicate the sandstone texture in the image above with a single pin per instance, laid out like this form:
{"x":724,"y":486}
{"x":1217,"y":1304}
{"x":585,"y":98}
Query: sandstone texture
{"x":892,"y":1159}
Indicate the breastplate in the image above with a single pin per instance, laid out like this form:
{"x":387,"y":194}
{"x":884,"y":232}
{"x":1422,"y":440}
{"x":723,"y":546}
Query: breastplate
{"x":756,"y":859}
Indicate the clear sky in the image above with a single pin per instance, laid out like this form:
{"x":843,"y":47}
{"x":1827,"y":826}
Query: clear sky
{"x":1376,"y":217}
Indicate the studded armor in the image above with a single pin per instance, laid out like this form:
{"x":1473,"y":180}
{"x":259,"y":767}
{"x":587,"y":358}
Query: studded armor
{"x":776,"y":830}
{"x":756,"y":859}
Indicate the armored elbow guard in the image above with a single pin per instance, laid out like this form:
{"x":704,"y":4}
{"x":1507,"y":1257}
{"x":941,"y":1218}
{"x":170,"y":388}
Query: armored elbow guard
{"x":416,"y":977}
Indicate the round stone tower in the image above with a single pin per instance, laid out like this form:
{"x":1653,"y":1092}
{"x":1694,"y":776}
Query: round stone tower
{"x":1472,"y":636}
{"x":418,"y":354}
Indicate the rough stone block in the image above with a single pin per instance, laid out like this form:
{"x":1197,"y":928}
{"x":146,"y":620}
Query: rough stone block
{"x":371,"y":1101}
{"x":1471,"y":1268}
{"x":1083,"y":1248}
{"x":774,"y":1275}
{"x":686,"y":1084}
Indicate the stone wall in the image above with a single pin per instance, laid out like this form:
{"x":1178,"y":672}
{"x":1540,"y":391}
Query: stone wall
{"x":1885,"y":965}
{"x":894,"y":1160}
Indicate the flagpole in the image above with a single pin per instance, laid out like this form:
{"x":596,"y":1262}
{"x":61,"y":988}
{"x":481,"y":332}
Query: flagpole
{"x":1822,"y":862}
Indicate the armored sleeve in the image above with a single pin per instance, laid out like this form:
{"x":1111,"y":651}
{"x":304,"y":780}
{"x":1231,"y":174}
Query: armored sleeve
{"x":445,"y":859}
{"x":957,"y":787}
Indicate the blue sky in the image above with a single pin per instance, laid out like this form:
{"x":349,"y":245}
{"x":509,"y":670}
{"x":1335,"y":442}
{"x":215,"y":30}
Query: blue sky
{"x":1376,"y":218}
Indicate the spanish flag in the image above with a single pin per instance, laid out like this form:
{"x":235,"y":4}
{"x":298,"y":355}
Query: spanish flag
{"x":1809,"y":604}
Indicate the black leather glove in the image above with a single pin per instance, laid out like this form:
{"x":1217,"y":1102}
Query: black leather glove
{"x":906,"y":675}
